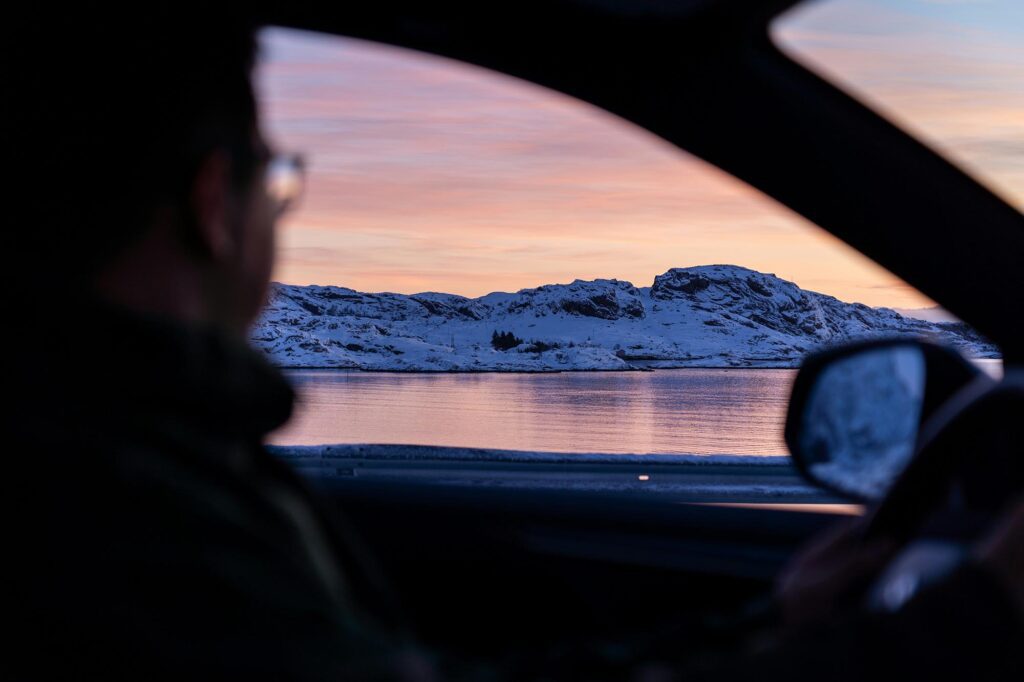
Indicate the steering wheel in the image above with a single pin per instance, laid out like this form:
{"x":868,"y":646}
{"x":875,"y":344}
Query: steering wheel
{"x":969,"y":466}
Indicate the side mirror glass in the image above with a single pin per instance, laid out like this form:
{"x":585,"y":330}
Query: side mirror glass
{"x":861,"y":419}
{"x":856,"y":411}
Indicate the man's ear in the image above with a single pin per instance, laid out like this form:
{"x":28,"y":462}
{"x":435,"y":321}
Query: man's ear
{"x":210,"y":203}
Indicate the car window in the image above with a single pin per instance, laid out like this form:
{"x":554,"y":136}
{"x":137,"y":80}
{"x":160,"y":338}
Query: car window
{"x":949,"y":72}
{"x":482,"y":262}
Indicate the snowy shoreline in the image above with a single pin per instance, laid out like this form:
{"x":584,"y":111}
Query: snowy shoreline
{"x":303,"y":368}
{"x":728,"y":479}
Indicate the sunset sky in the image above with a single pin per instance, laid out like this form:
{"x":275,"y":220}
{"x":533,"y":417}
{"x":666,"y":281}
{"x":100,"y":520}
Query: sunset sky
{"x":431,"y":175}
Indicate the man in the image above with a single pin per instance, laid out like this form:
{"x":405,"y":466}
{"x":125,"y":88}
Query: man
{"x":152,"y":537}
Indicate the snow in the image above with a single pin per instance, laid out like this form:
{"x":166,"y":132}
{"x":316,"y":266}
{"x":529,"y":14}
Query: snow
{"x":436,"y":453}
{"x":862,"y":417}
{"x":707,"y":478}
{"x":707,"y":316}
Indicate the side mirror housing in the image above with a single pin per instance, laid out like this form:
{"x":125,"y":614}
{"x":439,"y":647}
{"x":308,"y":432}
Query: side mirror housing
{"x":856,"y":411}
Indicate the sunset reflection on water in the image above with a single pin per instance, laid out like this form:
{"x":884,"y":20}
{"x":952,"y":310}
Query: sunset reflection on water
{"x":691,"y":411}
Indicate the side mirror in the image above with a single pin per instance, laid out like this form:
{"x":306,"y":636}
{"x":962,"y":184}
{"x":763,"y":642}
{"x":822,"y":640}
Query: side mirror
{"x":856,"y":411}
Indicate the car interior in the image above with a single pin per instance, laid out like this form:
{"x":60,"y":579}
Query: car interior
{"x":477,"y":562}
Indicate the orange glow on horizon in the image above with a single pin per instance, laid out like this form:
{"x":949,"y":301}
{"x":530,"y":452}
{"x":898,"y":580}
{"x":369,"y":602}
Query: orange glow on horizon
{"x":429,"y":175}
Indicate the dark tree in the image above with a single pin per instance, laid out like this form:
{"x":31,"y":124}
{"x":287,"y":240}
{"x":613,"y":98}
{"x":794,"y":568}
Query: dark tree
{"x":504,"y":340}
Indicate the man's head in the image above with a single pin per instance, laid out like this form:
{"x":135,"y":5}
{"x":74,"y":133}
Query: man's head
{"x":141,"y":162}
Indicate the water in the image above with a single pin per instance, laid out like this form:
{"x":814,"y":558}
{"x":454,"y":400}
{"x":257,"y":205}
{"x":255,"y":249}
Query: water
{"x":695,"y":411}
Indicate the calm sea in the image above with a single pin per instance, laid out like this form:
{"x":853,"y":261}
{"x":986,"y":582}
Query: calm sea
{"x":688,"y":411}
{"x":696,"y":411}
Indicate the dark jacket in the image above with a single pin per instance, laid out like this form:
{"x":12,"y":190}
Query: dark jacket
{"x":151,"y":534}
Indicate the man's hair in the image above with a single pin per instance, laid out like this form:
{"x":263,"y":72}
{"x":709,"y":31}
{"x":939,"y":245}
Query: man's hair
{"x":113,"y":111}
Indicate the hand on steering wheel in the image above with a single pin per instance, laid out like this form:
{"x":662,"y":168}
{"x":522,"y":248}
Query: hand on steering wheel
{"x":831,"y":574}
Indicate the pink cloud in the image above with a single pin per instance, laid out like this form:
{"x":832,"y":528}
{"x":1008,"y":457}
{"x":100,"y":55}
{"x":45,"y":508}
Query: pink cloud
{"x":426,"y":174}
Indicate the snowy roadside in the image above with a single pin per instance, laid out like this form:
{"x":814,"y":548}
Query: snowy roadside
{"x":687,"y":478}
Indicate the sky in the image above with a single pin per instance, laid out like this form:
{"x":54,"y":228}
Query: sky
{"x":426,"y":174}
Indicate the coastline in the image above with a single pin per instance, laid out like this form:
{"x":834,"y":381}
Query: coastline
{"x":295,"y":368}
{"x":304,"y":368}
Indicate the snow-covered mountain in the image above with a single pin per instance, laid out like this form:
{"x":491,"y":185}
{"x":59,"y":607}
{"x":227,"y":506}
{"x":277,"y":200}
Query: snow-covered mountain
{"x":707,"y":316}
